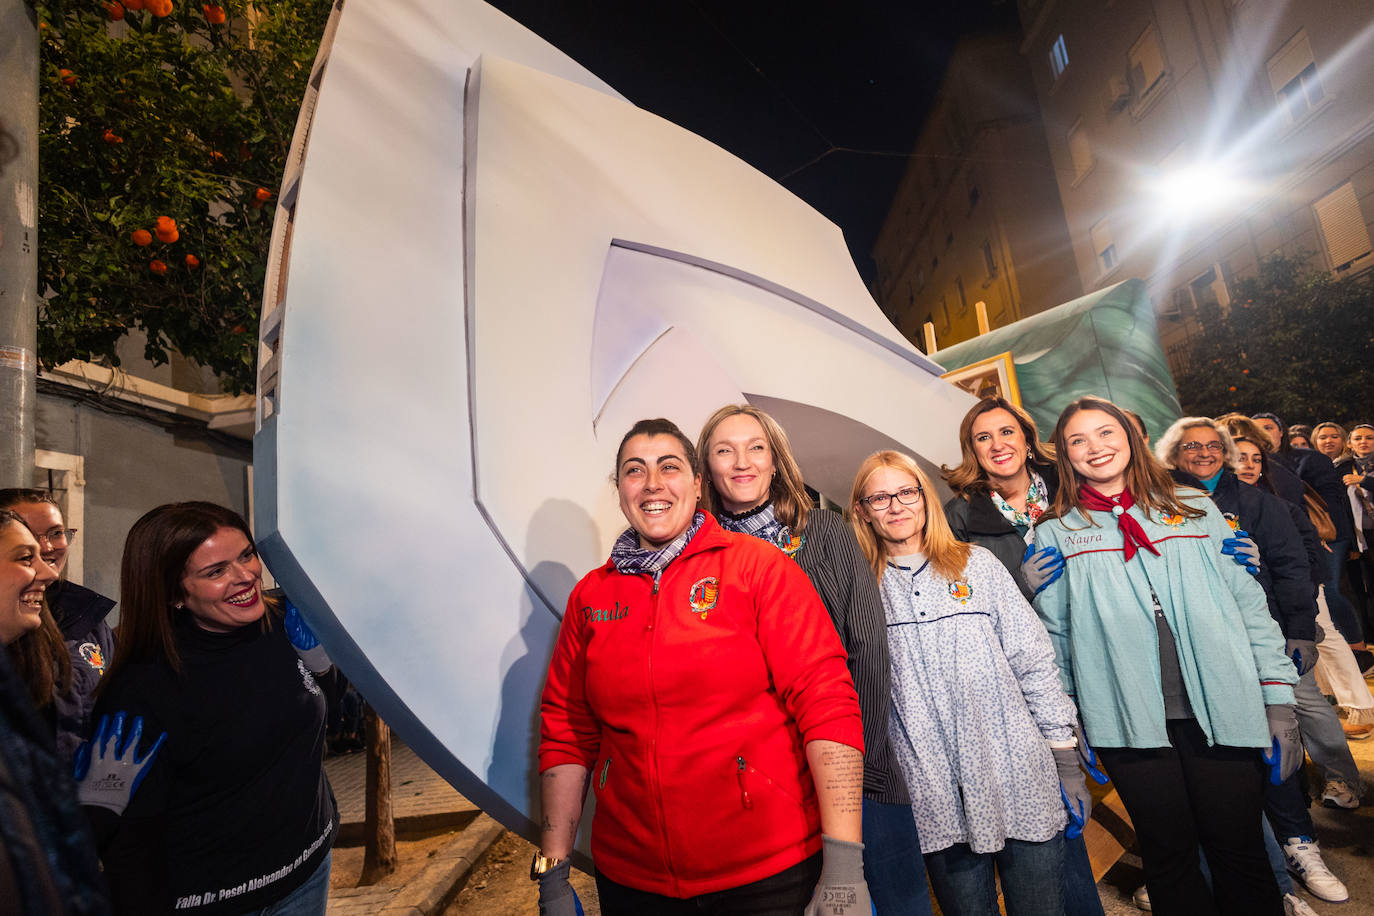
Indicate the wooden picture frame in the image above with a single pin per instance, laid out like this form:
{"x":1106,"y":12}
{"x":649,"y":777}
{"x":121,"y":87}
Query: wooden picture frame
{"x":991,"y":377}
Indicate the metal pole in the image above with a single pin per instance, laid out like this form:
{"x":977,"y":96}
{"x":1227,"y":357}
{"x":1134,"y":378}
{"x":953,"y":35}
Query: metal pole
{"x":18,"y":239}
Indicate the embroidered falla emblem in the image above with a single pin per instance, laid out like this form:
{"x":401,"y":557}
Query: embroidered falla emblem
{"x":1232,"y":520}
{"x":92,"y":655}
{"x":1173,"y":521}
{"x":793,"y":544}
{"x":703,"y":595}
{"x":960,"y":591}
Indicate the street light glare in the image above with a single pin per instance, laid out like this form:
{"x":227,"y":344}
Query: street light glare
{"x":1197,"y":190}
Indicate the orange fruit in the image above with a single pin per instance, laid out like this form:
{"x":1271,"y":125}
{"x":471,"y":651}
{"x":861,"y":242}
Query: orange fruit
{"x":166,"y":224}
{"x":213,"y":14}
{"x":160,"y":8}
{"x":142,"y":238}
{"x":216,"y":156}
{"x":67,"y":77}
{"x":262,"y":195}
{"x":192,"y":262}
{"x":168,"y":236}
{"x":157,"y":267}
{"x":238,"y":329}
{"x":111,"y":137}
{"x":134,"y":4}
{"x":114,"y":10}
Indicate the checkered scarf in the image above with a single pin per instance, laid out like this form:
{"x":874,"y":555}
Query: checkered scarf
{"x":631,"y":559}
{"x":760,"y":523}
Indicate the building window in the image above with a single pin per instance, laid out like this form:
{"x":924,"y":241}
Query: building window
{"x":1104,"y":247}
{"x":1080,"y":151}
{"x":1293,"y":74}
{"x":1343,"y":226}
{"x":1147,"y":63}
{"x":1059,"y":58}
{"x":963,"y":297}
{"x":1209,"y":288}
{"x":989,"y":263}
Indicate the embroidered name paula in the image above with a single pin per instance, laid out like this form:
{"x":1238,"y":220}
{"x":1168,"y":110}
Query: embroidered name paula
{"x":601,"y":614}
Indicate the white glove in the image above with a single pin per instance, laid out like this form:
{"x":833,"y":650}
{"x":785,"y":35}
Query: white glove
{"x":107,"y":780}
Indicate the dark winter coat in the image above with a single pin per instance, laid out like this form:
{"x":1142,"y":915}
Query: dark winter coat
{"x":1316,"y":470}
{"x":973,"y":517}
{"x":1284,"y":571}
{"x":80,"y":614}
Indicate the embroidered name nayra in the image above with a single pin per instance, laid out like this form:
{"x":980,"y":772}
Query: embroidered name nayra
{"x":1082,"y":540}
{"x":602,"y":614}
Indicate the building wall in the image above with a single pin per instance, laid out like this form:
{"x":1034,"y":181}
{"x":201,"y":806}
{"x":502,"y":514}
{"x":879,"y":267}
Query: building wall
{"x":1214,"y":102}
{"x":131,"y":465}
{"x":977,"y":214}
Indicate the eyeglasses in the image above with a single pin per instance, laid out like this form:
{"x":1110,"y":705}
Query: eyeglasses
{"x":907,"y":496}
{"x":57,"y":537}
{"x":1196,"y":446}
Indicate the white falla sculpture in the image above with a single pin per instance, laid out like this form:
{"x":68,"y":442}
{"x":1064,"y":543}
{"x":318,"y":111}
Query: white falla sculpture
{"x":486,"y":266}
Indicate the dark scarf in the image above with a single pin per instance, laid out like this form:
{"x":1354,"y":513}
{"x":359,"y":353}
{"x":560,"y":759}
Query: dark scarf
{"x":631,"y":559}
{"x":759,"y":522}
{"x":1132,"y":534}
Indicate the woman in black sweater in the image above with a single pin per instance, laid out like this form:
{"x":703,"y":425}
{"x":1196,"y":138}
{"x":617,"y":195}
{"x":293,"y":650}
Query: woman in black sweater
{"x":754,"y":486}
{"x":235,"y":813}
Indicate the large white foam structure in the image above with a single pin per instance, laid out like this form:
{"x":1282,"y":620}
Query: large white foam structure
{"x":487,"y":265}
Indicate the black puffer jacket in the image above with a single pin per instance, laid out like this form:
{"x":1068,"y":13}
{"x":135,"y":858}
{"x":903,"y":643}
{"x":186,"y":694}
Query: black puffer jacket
{"x":1284,"y":570}
{"x":1316,"y":470}
{"x":80,"y":614}
{"x":974,"y":518}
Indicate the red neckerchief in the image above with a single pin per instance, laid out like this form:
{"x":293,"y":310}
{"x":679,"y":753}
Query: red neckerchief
{"x":1131,"y":533}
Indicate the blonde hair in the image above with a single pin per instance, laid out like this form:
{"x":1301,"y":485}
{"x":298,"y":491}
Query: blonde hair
{"x":791,"y":504}
{"x":1149,"y":482}
{"x":1238,"y":424}
{"x":1166,"y":449}
{"x":947,"y":554}
{"x":969,"y":477}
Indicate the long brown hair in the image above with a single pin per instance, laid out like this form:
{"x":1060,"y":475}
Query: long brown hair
{"x":155,"y":555}
{"x":969,"y":477}
{"x":790,"y":500}
{"x":948,"y":555}
{"x":40,"y":656}
{"x":1149,"y":482}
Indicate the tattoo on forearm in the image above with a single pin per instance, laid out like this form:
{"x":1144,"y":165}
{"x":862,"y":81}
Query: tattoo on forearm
{"x":844,"y":778}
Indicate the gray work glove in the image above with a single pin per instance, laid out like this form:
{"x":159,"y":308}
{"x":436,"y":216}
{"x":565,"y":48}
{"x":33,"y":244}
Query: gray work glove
{"x":107,"y":776}
{"x":556,"y":894}
{"x":842,"y":890}
{"x":1303,"y":652}
{"x":1040,"y":568}
{"x":1073,"y":788}
{"x":303,"y":639}
{"x":1242,"y":548}
{"x":1285,"y":748}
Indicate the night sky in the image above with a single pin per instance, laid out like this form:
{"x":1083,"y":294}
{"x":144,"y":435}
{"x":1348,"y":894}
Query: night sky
{"x":778,"y":87}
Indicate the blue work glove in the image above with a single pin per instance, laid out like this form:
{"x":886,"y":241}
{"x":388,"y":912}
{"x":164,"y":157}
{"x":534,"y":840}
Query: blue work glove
{"x":842,"y":890}
{"x":1040,"y":568}
{"x":108,"y":780}
{"x":1073,"y":789}
{"x":1285,"y":749}
{"x":1242,"y":549}
{"x":1303,"y":652}
{"x":307,"y":645}
{"x":556,"y":894}
{"x":1087,"y":757}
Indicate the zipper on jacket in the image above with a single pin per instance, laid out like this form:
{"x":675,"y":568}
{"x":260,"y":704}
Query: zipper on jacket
{"x":653,"y":743}
{"x":745,"y":798}
{"x":601,"y":784}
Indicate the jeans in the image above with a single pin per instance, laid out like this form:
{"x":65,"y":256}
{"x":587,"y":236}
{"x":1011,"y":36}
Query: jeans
{"x":1031,"y":873}
{"x":307,"y":900}
{"x":1080,"y":890}
{"x":1190,"y":794}
{"x":785,"y":894}
{"x":1285,"y":807}
{"x":1322,"y":734}
{"x":893,"y":867}
{"x":1342,"y":611}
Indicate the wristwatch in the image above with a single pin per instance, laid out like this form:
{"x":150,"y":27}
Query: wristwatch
{"x":541,"y":865}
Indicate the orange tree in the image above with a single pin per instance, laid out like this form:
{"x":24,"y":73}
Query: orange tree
{"x":164,"y":127}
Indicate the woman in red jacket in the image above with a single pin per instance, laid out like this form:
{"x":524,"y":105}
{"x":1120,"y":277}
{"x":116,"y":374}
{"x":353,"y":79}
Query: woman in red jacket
{"x":698,"y":682}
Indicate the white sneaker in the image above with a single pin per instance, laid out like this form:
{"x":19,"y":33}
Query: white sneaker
{"x":1293,"y":905}
{"x":1340,"y":794}
{"x":1141,"y":899}
{"x":1305,"y":863}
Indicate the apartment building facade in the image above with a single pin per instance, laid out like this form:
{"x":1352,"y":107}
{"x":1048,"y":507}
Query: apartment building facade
{"x":977,"y":215}
{"x":1191,"y":138}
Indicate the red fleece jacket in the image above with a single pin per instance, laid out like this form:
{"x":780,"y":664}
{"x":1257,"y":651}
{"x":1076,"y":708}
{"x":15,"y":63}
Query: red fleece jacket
{"x":691,"y":706}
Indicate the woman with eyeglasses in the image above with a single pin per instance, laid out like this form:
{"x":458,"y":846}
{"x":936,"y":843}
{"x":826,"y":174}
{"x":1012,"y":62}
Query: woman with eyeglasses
{"x":1174,"y":661}
{"x":753,"y":485}
{"x":79,"y":613}
{"x":699,"y":686}
{"x":981,"y":728}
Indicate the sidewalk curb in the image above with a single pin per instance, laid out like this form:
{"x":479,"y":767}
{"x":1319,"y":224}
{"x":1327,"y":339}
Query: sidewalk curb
{"x":431,"y":890}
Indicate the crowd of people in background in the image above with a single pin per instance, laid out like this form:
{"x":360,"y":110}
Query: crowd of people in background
{"x":780,"y":708}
